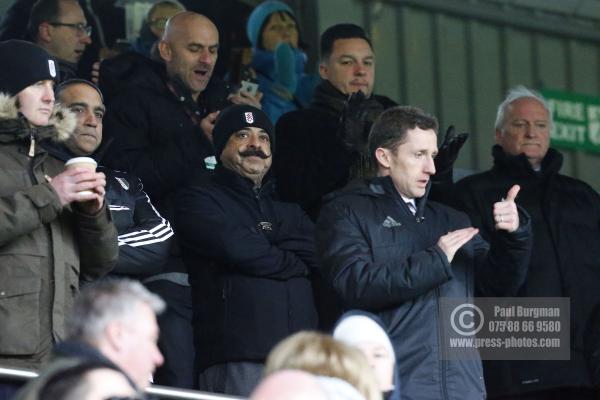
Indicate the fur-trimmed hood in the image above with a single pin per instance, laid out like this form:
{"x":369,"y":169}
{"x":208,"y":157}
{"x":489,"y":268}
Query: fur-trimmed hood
{"x":61,"y":126}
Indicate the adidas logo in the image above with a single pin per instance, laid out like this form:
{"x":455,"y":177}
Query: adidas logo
{"x":390,"y":222}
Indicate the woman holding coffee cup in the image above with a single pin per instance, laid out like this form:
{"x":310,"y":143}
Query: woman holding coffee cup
{"x":29,"y":113}
{"x":53,"y":234}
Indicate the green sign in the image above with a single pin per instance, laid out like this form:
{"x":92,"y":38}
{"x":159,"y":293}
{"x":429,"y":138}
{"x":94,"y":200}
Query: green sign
{"x":576,"y":120}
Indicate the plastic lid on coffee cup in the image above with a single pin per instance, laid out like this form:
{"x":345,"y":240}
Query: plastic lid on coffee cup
{"x":81,"y":160}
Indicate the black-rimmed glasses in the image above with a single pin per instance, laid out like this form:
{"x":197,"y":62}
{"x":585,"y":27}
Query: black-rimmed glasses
{"x":81,"y":28}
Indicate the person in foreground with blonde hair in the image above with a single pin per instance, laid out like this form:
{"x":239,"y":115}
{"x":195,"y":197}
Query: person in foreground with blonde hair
{"x":322,"y":355}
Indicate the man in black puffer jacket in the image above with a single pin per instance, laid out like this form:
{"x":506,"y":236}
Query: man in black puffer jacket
{"x":249,"y":257}
{"x":387,"y":250}
{"x":565,"y":262}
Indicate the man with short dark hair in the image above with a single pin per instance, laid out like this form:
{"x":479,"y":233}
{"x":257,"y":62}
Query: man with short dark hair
{"x":249,"y":257}
{"x":386,"y":249}
{"x":144,"y":235}
{"x":321,"y":148}
{"x":60,"y":27}
{"x":565,"y":260}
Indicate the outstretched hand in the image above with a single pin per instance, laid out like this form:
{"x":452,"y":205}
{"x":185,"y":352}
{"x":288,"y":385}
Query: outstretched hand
{"x":506,"y":215}
{"x":452,"y":241}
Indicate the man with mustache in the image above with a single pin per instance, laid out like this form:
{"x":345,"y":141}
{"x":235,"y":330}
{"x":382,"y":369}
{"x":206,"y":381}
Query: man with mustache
{"x":565,"y":260}
{"x":161,"y":128}
{"x":249,"y":257}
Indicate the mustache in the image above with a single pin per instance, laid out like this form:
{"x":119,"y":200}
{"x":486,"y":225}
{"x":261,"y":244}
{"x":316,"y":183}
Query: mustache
{"x":254,"y":153}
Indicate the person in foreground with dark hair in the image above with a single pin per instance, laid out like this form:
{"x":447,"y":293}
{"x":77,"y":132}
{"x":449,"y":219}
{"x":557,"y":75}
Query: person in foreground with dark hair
{"x":386,"y":249}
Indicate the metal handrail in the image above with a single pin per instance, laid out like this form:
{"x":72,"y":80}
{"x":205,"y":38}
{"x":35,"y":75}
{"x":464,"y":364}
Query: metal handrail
{"x":164,"y":392}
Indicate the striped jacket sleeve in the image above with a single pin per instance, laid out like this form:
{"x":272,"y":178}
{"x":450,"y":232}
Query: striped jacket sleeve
{"x":144,"y":246}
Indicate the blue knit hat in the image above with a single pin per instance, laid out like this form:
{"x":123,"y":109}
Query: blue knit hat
{"x":260,"y":15}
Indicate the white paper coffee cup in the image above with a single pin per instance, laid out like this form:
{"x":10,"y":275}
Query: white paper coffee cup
{"x":86,"y":162}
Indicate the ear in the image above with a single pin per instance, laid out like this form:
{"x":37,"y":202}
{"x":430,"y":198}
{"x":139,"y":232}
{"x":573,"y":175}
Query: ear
{"x":383,"y":157}
{"x":45,"y":32}
{"x":165,"y":51}
{"x":498,"y":135}
{"x":114,"y":335}
{"x":323,"y":71}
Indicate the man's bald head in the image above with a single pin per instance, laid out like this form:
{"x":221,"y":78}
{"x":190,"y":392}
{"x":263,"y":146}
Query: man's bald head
{"x":180,"y":24}
{"x":289,"y":385}
{"x":189,"y":48}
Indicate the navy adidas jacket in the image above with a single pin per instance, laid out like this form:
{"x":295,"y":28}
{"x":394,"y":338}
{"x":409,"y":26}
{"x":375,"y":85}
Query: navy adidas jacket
{"x":381,"y":258}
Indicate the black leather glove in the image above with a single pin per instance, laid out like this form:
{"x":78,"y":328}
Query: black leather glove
{"x":356,"y":120}
{"x":448,"y":151}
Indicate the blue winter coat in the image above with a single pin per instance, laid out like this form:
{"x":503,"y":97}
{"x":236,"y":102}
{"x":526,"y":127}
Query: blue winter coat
{"x":282,"y":91}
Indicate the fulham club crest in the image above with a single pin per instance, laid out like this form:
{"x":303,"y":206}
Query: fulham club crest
{"x":249,"y":117}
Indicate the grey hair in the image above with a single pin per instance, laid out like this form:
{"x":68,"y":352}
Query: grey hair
{"x":104,"y":301}
{"x":514,"y":94}
{"x":168,"y":3}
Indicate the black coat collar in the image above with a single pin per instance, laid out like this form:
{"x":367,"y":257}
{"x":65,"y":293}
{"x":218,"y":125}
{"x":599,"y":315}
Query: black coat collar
{"x":232,"y":179}
{"x":519,"y":166}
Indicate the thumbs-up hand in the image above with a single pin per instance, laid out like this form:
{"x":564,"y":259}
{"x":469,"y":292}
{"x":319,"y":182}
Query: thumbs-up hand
{"x":506,"y":215}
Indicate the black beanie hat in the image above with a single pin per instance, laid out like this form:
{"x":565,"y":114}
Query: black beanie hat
{"x":23,"y":64}
{"x":235,"y":118}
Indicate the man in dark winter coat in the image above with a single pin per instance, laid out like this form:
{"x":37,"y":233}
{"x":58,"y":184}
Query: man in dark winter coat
{"x":565,"y":261}
{"x":387,"y":250}
{"x":249,"y":257}
{"x":144,"y":235}
{"x":321,"y":148}
{"x":162,"y":131}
